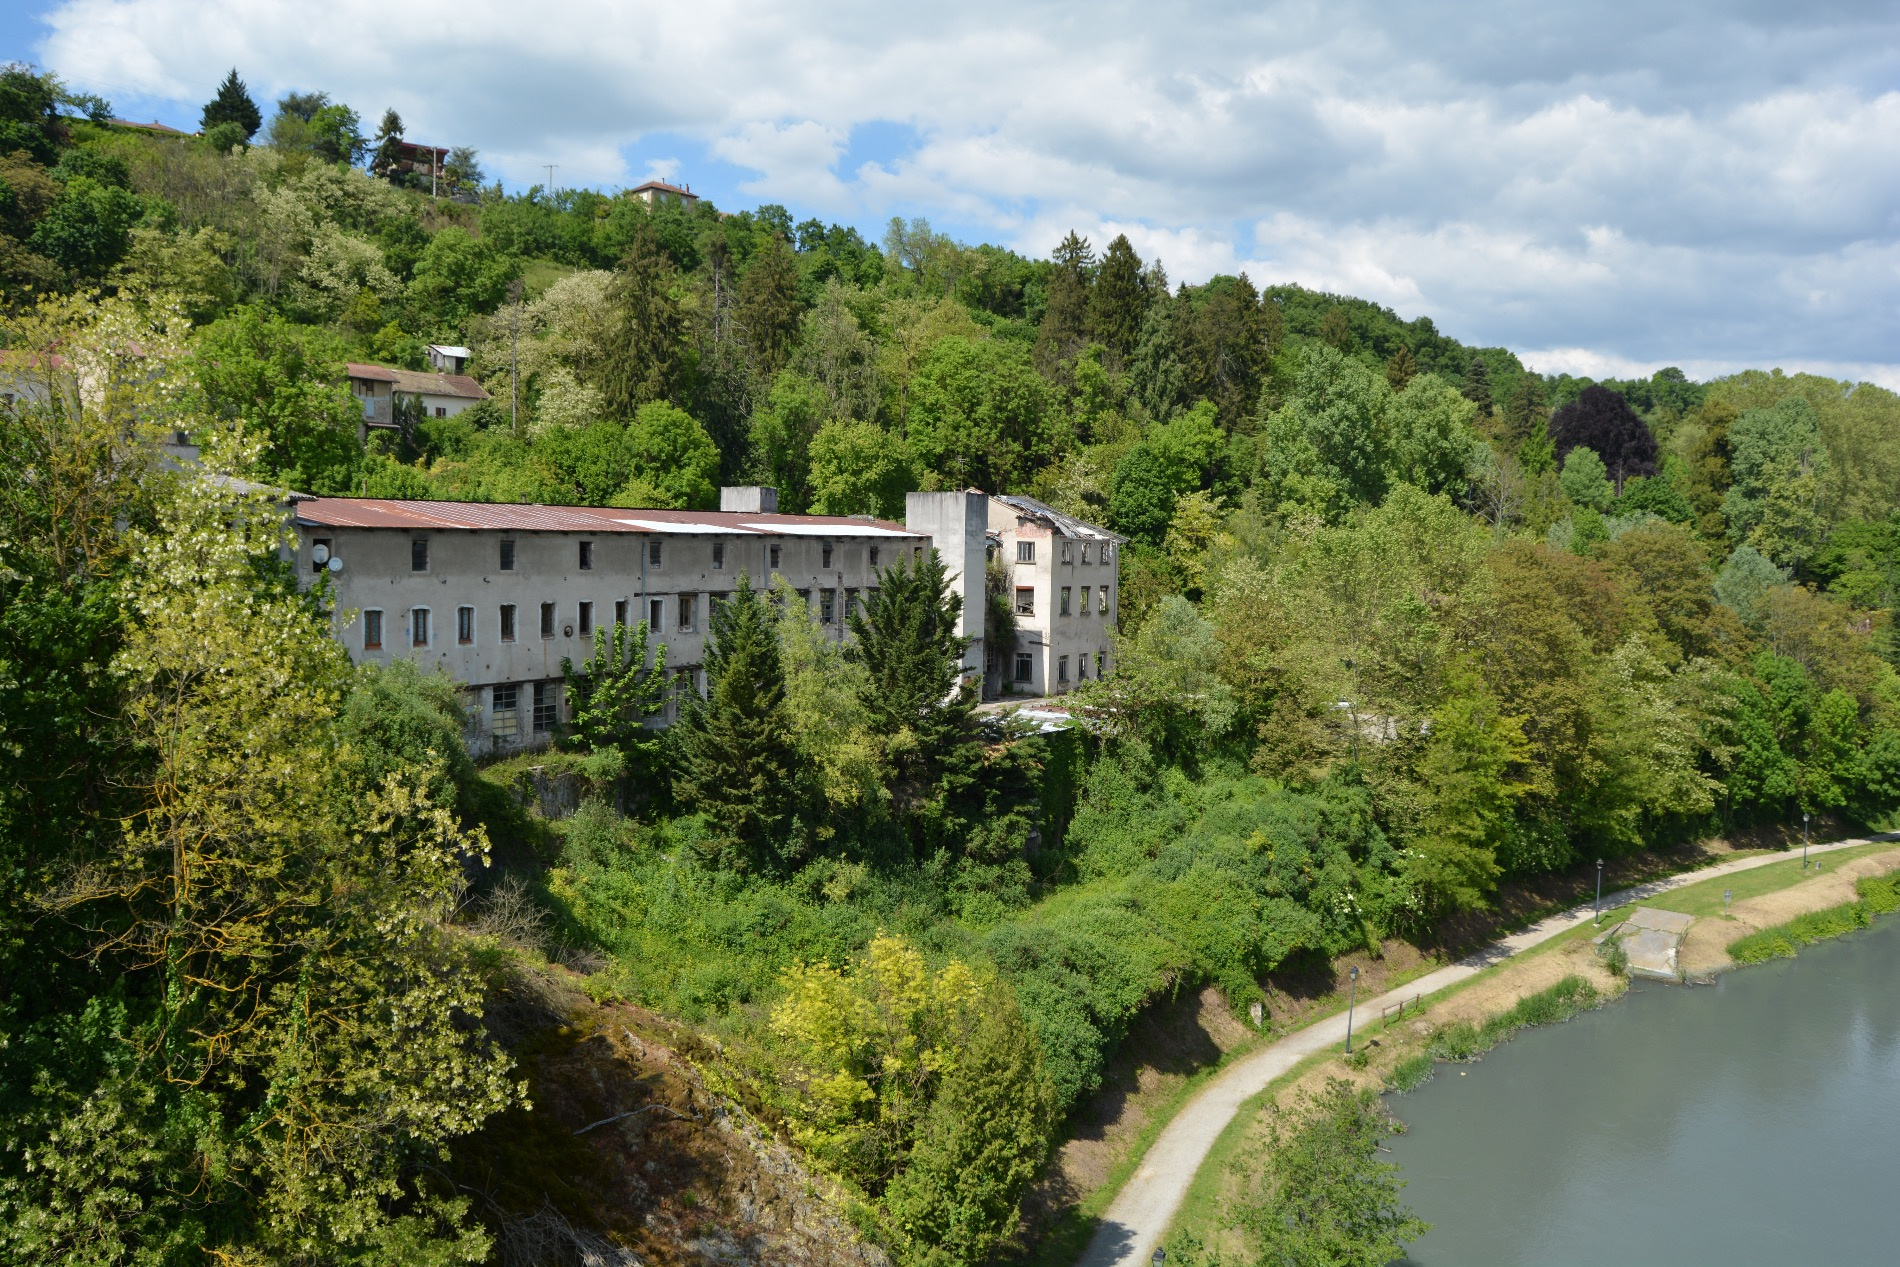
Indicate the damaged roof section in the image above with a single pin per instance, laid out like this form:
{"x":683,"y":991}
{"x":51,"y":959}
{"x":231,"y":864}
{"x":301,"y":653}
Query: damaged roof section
{"x":1060,"y":524}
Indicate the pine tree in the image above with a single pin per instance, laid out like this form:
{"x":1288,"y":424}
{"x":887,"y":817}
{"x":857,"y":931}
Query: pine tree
{"x":738,"y":764}
{"x":768,"y":306}
{"x":388,"y":147}
{"x":1065,"y":318}
{"x":1120,"y":300}
{"x":233,"y":104}
{"x":1478,"y":386}
{"x":615,"y":692}
{"x":906,"y":637}
{"x":1335,"y":331}
{"x":648,"y":360}
{"x":1400,"y":369}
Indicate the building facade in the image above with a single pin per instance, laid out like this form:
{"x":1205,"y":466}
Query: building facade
{"x":378,"y":387}
{"x":497,"y":596}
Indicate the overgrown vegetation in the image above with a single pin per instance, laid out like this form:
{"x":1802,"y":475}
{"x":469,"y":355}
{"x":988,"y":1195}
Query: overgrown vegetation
{"x":1401,"y":621}
{"x":1879,"y":895}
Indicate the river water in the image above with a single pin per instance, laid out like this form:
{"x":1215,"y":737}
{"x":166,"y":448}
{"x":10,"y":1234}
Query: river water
{"x":1756,"y":1121}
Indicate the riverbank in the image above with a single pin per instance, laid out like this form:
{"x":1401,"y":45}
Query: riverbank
{"x":1203,"y":1131}
{"x":1547,"y":983}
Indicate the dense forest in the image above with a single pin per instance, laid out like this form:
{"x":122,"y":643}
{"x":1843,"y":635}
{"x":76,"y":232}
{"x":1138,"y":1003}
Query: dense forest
{"x":1402,"y":622}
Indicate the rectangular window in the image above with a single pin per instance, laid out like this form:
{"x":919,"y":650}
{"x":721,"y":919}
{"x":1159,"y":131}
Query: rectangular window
{"x":507,"y":622}
{"x":1025,"y":667}
{"x":1025,"y":600}
{"x":1062,"y":668}
{"x":419,"y":626}
{"x":1064,"y":609}
{"x":689,"y":612}
{"x":372,"y":631}
{"x":827,"y":553}
{"x":827,"y":607}
{"x":1025,"y":552}
{"x":441,"y":411}
{"x":804,"y":600}
{"x":654,"y":552}
{"x":1085,"y":551}
{"x":656,"y":615}
{"x":465,"y":625}
{"x":507,"y":556}
{"x":419,"y":554}
{"x":504,"y":709}
{"x":873,"y":556}
{"x":323,"y":544}
{"x":1082,"y":668}
{"x":587,"y":556}
{"x":587,"y":620}
{"x":547,"y":620}
{"x":620,"y":611}
{"x":1104,"y":603}
{"x":1068,"y":551}
{"x":719,"y":556}
{"x":1108,"y":552}
{"x":1085,"y":600}
{"x":547,"y":706}
{"x":1100,"y":659}
{"x":772,"y":553}
{"x":850,"y":603}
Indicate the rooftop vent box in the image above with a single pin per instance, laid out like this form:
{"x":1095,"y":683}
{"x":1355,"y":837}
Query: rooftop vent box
{"x":750,"y":499}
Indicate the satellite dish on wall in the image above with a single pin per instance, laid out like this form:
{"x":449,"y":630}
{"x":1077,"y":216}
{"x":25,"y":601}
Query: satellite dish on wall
{"x":320,"y":554}
{"x":567,"y":631}
{"x":336,"y":564}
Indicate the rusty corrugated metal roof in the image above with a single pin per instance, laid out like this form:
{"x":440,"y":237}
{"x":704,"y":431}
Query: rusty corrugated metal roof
{"x":371,"y":512}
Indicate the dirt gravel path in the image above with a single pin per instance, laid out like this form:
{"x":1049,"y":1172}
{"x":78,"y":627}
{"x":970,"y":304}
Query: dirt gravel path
{"x":1136,"y":1221}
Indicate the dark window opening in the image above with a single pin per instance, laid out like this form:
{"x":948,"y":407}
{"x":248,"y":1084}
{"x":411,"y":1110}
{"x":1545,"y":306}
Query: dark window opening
{"x":827,"y":554}
{"x":419,"y":554}
{"x":507,"y":556}
{"x":547,"y":620}
{"x":419,"y":626}
{"x":1025,"y":667}
{"x":372,"y":631}
{"x":587,"y":556}
{"x":465,"y":625}
{"x":587,"y":620}
{"x":547,"y":706}
{"x":507,"y":622}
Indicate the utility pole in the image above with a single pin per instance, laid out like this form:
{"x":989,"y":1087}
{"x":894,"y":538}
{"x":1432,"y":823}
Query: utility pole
{"x":514,"y":358}
{"x":551,"y":167}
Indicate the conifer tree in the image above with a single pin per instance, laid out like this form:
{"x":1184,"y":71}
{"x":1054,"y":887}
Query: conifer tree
{"x":388,"y":146}
{"x":1400,"y":369}
{"x":1477,"y":388}
{"x":906,"y":637}
{"x":233,"y":104}
{"x":614,"y":693}
{"x":648,"y":360}
{"x":738,"y":764}
{"x":1065,"y":320}
{"x":1335,"y":331}
{"x":768,"y":306}
{"x":1120,"y":300}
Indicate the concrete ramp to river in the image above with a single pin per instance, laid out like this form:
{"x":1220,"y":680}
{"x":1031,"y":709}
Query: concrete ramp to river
{"x":1653,"y":941}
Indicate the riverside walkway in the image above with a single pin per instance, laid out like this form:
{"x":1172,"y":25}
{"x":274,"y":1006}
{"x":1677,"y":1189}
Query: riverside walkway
{"x":1134,"y":1224}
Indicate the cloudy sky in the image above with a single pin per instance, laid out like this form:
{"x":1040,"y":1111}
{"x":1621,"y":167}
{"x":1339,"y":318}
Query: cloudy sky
{"x":1603,"y":188}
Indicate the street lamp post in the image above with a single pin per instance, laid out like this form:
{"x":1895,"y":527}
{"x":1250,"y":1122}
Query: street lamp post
{"x":1598,"y":919}
{"x":1804,"y":840}
{"x":1352,"y":996}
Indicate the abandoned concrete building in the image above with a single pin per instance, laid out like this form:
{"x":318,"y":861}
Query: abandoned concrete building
{"x":497,"y":595}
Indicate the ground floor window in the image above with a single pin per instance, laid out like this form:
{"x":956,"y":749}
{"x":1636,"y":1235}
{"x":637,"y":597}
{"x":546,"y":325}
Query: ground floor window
{"x":1062,"y":668}
{"x":419,"y":626}
{"x":547,"y":706}
{"x":1025,"y":667}
{"x":504,"y":711}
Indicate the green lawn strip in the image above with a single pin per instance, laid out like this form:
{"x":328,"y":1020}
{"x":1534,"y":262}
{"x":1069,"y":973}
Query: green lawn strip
{"x":1879,"y":895}
{"x":1705,"y":898}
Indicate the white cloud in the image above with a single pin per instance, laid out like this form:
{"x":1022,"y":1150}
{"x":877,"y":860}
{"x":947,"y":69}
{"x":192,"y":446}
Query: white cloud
{"x":1651,"y":184}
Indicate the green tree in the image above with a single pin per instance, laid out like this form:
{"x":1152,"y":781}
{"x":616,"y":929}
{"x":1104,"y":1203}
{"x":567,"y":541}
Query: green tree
{"x":1400,"y":368}
{"x":457,"y":275}
{"x":1477,"y":388}
{"x":1473,"y":775}
{"x":768,"y":306}
{"x":858,"y":468}
{"x":1224,"y":346}
{"x":1119,"y":303}
{"x":88,"y":229}
{"x":462,"y":170}
{"x":906,"y":637}
{"x":1780,"y":469}
{"x":284,"y":382}
{"x":614,"y":693}
{"x":980,"y":1145}
{"x":232,"y":104}
{"x":738,"y":762}
{"x":1065,"y":319}
{"x":780,"y":437}
{"x":674,"y":463}
{"x":1585,"y":481}
{"x":1315,"y":1193}
{"x":1432,"y":439}
{"x":388,"y":152}
{"x":979,"y":414}
{"x":646,"y":355}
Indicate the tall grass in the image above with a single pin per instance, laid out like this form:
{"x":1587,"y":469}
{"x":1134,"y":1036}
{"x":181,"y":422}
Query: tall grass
{"x":1463,"y":1041}
{"x":1879,"y":895}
